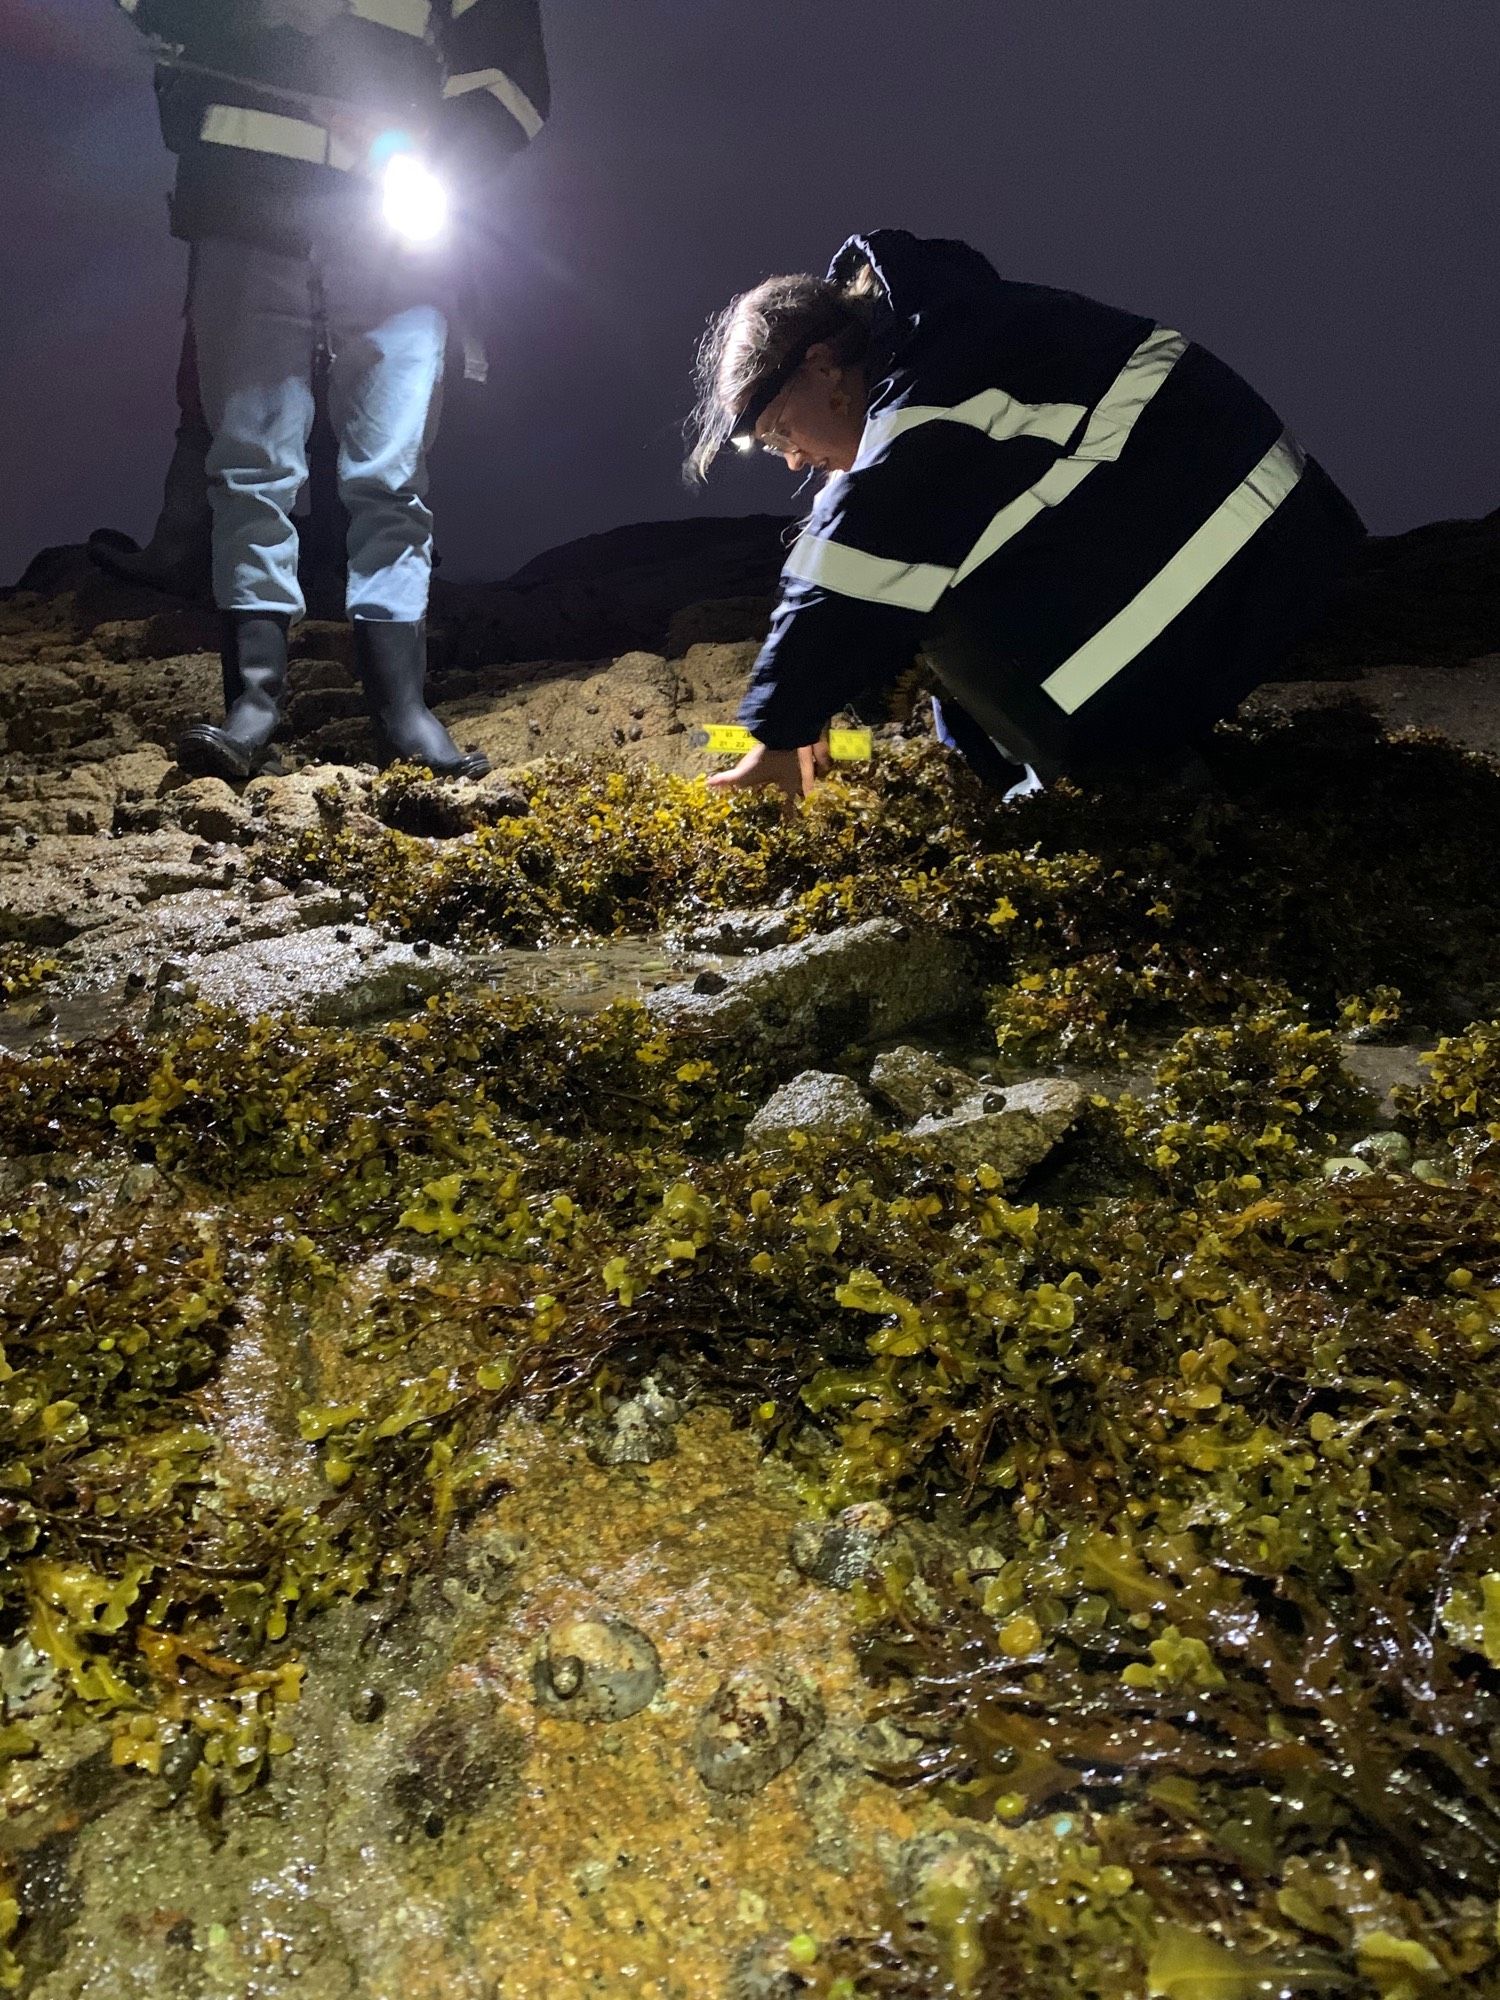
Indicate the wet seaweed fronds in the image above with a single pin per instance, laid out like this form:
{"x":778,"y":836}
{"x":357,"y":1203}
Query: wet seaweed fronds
{"x":24,"y":970}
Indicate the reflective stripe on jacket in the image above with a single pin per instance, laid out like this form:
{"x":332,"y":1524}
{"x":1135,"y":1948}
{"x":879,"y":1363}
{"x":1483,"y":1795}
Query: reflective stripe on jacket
{"x":267,"y":103}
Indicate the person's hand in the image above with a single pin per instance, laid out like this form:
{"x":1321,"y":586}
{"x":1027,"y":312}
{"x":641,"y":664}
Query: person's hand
{"x":792,"y":772}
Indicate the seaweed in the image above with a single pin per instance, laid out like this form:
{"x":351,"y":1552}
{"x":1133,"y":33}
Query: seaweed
{"x":1217,"y":1434}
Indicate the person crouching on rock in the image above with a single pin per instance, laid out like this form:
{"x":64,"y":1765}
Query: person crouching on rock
{"x":1094,"y":537}
{"x":319,"y":145}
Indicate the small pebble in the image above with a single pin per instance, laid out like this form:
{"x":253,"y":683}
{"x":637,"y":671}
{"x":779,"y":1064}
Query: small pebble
{"x":135,"y":979}
{"x":423,"y":947}
{"x":343,"y":933}
{"x":368,"y":1705}
{"x":169,"y":970}
{"x":1345,"y":1167}
{"x":1430,"y":1171}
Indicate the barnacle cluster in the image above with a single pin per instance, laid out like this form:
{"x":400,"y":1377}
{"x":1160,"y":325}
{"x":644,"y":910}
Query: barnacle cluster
{"x":1217,"y":1436}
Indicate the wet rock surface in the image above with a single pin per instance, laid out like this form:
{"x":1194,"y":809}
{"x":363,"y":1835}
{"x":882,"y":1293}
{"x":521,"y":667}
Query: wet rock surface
{"x":816,"y":1102}
{"x":1012,"y":1129}
{"x":813,"y":997}
{"x":325,"y":974}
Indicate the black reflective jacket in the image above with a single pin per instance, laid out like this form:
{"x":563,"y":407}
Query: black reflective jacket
{"x":1097,"y":537}
{"x":271,"y":105}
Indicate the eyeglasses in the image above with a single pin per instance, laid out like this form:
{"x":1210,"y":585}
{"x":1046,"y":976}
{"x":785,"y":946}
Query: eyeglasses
{"x":775,"y":385}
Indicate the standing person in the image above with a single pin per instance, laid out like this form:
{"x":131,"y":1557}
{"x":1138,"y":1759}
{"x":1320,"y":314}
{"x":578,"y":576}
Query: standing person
{"x":320,"y":146}
{"x":1096,"y":536}
{"x":179,"y":556}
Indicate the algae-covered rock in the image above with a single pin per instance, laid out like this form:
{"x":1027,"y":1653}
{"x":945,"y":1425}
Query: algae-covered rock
{"x":816,"y":1102}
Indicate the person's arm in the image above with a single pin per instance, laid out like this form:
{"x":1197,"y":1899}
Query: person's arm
{"x":497,"y":93}
{"x":881,"y":547}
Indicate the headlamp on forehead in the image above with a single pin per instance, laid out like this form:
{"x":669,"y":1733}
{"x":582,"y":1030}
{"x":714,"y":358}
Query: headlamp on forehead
{"x":761,"y":399}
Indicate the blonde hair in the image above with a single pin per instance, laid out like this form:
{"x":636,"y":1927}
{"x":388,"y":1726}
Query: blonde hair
{"x":754,"y":335}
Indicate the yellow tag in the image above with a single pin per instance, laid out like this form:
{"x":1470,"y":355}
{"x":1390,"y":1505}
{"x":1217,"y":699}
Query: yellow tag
{"x":727,"y":739}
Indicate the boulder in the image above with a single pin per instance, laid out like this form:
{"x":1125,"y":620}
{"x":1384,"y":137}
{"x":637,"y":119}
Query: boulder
{"x":814,"y":1102}
{"x":919,"y":1085}
{"x":813,"y":997}
{"x":332,"y":973}
{"x":1010,"y":1130}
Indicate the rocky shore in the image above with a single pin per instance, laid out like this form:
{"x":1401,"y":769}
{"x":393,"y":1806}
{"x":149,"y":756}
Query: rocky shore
{"x":563,"y":1554}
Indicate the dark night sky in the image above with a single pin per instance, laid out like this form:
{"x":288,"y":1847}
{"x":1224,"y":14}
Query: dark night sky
{"x":1310,"y":187}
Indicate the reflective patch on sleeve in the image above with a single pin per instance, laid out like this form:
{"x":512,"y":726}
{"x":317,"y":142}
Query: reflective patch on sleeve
{"x":462,"y":7}
{"x":500,"y":86}
{"x":406,"y":17}
{"x":992,"y":411}
{"x":271,"y":132}
{"x":853,"y":573}
{"x":1055,"y":484}
{"x":1179,"y":581}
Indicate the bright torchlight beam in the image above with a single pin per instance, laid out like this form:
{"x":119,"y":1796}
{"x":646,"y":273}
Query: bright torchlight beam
{"x":414,"y":199}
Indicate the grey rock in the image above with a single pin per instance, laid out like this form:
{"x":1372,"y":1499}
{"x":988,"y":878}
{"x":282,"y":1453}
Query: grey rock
{"x":755,"y":1724}
{"x":815,"y":996}
{"x":816,"y":1102}
{"x":323,"y":978}
{"x":1383,"y":1070}
{"x":1011,"y":1130}
{"x":919,"y":1085}
{"x":595,"y":1670}
{"x":639,"y":1431}
{"x":841,"y":1551}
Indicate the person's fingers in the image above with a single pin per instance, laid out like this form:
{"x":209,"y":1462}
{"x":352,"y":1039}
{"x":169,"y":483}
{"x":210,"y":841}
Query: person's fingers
{"x":746,"y":772}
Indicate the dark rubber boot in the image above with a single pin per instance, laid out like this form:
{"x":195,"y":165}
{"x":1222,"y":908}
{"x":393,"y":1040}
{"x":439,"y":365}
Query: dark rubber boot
{"x":391,"y":660}
{"x":254,"y":649}
{"x":179,"y":554}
